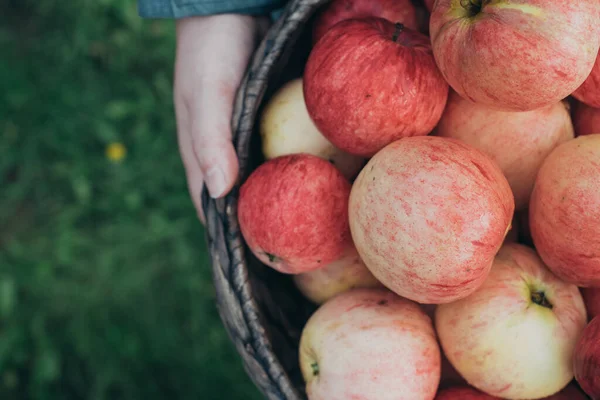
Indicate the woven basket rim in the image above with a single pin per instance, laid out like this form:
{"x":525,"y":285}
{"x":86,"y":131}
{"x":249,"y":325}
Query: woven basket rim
{"x":236,"y":302}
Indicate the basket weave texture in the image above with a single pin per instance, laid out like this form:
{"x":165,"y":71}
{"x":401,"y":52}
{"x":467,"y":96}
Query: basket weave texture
{"x":261,"y":309}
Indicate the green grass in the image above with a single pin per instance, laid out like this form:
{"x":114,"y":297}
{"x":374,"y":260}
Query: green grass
{"x":105,"y":284}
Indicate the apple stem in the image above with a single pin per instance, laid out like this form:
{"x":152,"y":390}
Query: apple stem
{"x":399,"y":29}
{"x":472,"y":6}
{"x":539,"y":298}
{"x":315,"y":369}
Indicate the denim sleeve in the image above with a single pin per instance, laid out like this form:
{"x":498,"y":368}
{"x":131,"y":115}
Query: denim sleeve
{"x":188,"y":8}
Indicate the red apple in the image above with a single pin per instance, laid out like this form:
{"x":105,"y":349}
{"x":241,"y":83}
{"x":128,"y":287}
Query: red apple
{"x":515,"y":55}
{"x":339,"y":276}
{"x":586,"y":359}
{"x":517,"y":141}
{"x":589,"y":91}
{"x":591,"y":296}
{"x":564,"y":213}
{"x":293,"y":213}
{"x":369,"y":344}
{"x":463,"y":393}
{"x":427,"y":215}
{"x":514,"y":337}
{"x":369,"y":82}
{"x":402,"y":11}
{"x":429,"y":4}
{"x":586,"y":119}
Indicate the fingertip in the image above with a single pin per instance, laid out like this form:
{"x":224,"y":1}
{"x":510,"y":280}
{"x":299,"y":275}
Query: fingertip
{"x":221,"y":176}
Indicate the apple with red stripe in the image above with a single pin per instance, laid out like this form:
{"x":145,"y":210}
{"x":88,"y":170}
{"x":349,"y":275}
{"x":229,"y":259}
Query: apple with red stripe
{"x":514,"y":337}
{"x":515,"y":55}
{"x":427,"y":215}
{"x":293,"y":213}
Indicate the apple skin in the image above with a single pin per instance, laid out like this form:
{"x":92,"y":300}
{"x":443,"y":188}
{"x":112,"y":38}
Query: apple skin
{"x":389,"y":90}
{"x":586,"y":359}
{"x":286,"y":128}
{"x":402,"y":11}
{"x":293,"y":213}
{"x":586,"y":119}
{"x":564,"y":212}
{"x":518,"y":141}
{"x":515,"y":55}
{"x":370,"y":344}
{"x":502,"y":341}
{"x":429,"y":4}
{"x":339,"y":276}
{"x":591,"y":297}
{"x":427,"y":216}
{"x":571,"y":392}
{"x":589,"y":91}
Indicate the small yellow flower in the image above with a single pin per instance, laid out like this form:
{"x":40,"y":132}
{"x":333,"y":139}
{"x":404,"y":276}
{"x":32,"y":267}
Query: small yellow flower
{"x":116,"y":152}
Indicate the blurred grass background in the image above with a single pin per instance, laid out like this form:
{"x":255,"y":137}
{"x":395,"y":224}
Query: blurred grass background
{"x":105,"y":285}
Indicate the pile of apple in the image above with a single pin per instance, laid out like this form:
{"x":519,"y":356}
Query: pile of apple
{"x":432,"y":183}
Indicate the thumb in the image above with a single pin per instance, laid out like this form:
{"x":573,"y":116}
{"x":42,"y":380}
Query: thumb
{"x":211,"y":136}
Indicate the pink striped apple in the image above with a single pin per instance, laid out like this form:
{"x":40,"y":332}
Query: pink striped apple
{"x":514,"y":337}
{"x":369,"y":344}
{"x":427,"y":215}
{"x":293,"y":213}
{"x":515,"y":55}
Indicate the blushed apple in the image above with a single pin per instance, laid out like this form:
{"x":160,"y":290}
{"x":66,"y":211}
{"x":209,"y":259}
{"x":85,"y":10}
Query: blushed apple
{"x":293,"y":213}
{"x":369,"y":344}
{"x":586,"y":359}
{"x":286,"y":128}
{"x":514,"y":337}
{"x":369,"y":82}
{"x":518,"y":141}
{"x":427,"y":215}
{"x":586,"y":119}
{"x":564,"y":212}
{"x":591,"y":297}
{"x":402,"y":11}
{"x":589,"y":91}
{"x":515,"y":55}
{"x":339,"y":276}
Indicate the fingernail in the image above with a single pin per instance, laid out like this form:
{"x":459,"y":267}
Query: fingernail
{"x":215,"y":181}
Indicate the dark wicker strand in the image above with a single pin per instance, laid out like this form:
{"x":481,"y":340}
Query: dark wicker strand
{"x":259,"y":308}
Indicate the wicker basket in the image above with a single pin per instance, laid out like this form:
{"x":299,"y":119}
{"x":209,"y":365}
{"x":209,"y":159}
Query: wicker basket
{"x":261,"y":309}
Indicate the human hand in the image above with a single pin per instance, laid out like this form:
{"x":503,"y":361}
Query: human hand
{"x":212,"y":56}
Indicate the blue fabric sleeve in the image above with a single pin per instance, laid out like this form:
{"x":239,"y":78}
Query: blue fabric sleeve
{"x":188,"y":8}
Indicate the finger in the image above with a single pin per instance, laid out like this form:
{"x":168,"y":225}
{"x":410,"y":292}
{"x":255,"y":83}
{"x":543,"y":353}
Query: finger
{"x":210,"y":117}
{"x":190,"y":162}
